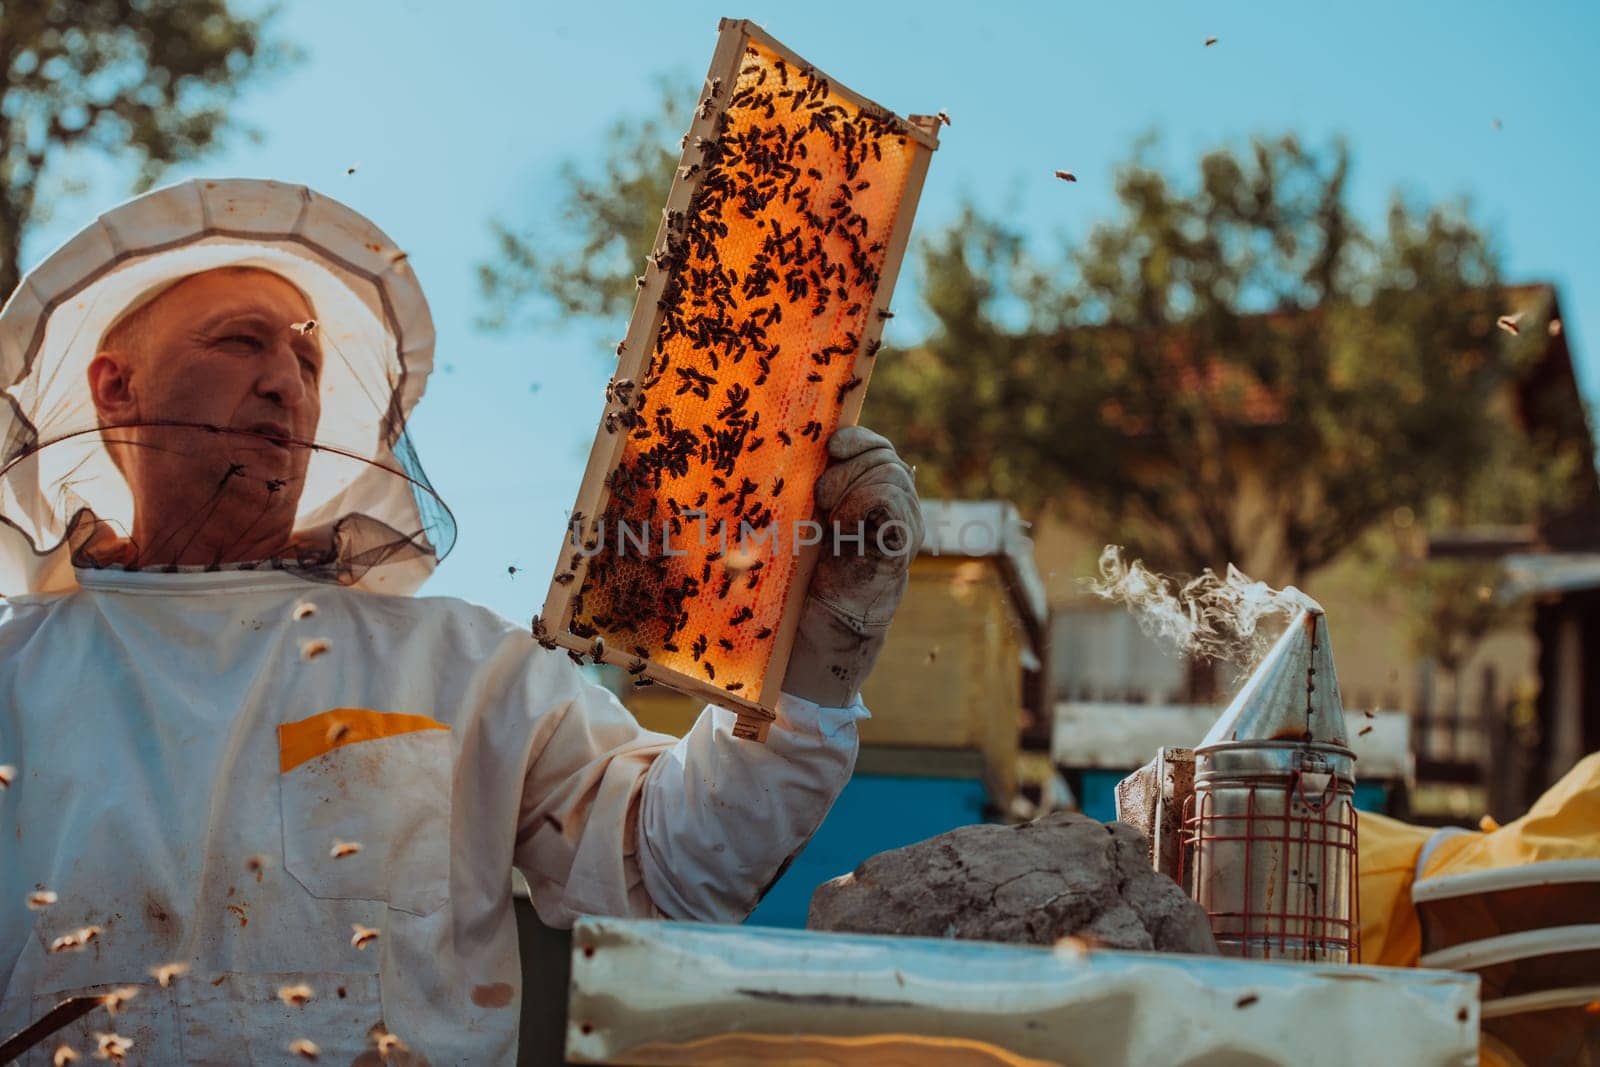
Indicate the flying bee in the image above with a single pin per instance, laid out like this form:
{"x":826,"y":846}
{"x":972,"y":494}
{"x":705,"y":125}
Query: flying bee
{"x":341,"y":849}
{"x":40,"y":899}
{"x":115,"y":1047}
{"x":388,"y":1043}
{"x":66,"y":943}
{"x":64,"y":1055}
{"x":118,"y":998}
{"x":1066,"y":175}
{"x":1509,"y":323}
{"x":304,"y":610}
{"x":337,"y":732}
{"x":316,"y":646}
{"x":363,"y":936}
{"x":303,"y":328}
{"x":305,"y":1048}
{"x":943,"y":117}
{"x":1210,"y":41}
{"x":1364,"y":731}
{"x":296,"y":996}
{"x":165,"y":973}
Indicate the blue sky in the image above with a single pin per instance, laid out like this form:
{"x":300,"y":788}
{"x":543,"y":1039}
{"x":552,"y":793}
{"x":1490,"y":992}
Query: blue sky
{"x":458,"y":113}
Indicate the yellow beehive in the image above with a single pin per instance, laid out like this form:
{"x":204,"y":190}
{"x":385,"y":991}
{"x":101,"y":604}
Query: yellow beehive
{"x":753,"y":338}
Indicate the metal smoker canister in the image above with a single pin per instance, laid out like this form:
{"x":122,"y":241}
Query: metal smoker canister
{"x":1272,"y":823}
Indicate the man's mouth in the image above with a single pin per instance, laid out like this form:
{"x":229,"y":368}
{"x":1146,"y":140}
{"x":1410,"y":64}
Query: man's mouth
{"x":273,"y":433}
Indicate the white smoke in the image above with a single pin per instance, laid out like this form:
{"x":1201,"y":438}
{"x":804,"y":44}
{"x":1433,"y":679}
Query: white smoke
{"x":1216,"y":618}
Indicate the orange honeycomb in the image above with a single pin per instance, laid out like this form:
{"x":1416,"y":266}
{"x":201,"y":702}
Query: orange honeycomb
{"x":771,"y":290}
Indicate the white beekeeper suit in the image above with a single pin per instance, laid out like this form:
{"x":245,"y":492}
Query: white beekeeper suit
{"x":184,"y":772}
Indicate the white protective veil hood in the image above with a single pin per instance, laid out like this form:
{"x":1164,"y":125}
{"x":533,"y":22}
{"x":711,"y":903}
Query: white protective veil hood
{"x":384,"y":526}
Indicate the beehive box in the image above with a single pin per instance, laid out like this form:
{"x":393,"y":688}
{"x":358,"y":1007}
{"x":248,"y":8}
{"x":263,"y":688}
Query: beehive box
{"x":757,"y":323}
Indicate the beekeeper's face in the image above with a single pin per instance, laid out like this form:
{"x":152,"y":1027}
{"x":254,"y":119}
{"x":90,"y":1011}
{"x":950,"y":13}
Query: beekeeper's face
{"x":232,"y":349}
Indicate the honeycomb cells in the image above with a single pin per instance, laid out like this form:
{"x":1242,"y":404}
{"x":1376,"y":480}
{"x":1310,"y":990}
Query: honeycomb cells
{"x":771,"y":284}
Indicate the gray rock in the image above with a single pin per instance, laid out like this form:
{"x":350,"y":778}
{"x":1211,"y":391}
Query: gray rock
{"x":1064,"y":874}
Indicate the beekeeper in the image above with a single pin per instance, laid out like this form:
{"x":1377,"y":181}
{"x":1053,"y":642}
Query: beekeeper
{"x":252,"y":777}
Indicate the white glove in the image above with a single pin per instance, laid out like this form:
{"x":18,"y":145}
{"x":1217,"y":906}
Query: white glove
{"x":868,"y":490}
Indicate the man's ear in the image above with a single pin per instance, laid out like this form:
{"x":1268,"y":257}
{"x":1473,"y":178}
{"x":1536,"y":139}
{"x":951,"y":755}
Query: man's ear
{"x":111,"y":385}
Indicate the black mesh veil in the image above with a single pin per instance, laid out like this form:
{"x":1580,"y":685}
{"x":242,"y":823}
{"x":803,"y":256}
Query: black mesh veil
{"x":366,"y":514}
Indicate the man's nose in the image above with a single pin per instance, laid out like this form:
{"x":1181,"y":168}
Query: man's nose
{"x":280,"y":378}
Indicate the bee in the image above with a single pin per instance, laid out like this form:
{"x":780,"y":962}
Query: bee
{"x":641,"y":683}
{"x":166,"y":972}
{"x":622,"y":346}
{"x":295,"y":996}
{"x":563,"y":579}
{"x":304,"y":1048}
{"x":304,"y":610}
{"x":256,"y":865}
{"x":40,"y":899}
{"x":337,"y":733}
{"x":884,"y":314}
{"x":316,"y":646}
{"x":512,"y":570}
{"x":711,"y":672}
{"x":351,"y":169}
{"x":638,"y":283}
{"x":814,"y":376}
{"x":727,"y":646}
{"x":1364,"y":731}
{"x":303,"y":328}
{"x":388,"y":1043}
{"x":597,"y":651}
{"x":872,"y":347}
{"x":363,"y":936}
{"x":1509,"y":323}
{"x":785,"y":438}
{"x":64,"y":1055}
{"x":637,"y":667}
{"x":1066,"y":175}
{"x":118,"y":998}
{"x":734,"y":687}
{"x":115,"y":1047}
{"x":66,"y":943}
{"x":1249,"y":998}
{"x":1210,"y":41}
{"x":576,"y":657}
{"x":341,"y":849}
{"x":943,"y":117}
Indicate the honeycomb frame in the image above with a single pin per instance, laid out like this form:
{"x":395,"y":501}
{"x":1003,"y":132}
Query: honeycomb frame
{"x":667,"y":344}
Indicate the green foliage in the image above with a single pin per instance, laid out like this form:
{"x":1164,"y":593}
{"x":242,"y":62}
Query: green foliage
{"x":610,"y":220}
{"x":1232,"y":369}
{"x":146,"y":82}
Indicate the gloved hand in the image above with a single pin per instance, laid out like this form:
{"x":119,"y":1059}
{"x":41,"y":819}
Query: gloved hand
{"x":866,"y":489}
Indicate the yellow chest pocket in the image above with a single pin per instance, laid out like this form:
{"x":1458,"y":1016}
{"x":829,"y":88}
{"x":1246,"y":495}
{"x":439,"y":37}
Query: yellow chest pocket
{"x":365,"y":798}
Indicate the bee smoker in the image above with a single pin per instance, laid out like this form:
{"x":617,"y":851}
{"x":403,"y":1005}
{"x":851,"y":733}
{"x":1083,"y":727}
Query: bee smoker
{"x":1265,"y":803}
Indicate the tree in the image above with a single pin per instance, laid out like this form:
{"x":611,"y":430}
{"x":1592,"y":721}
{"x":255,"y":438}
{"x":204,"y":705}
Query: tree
{"x":611,"y":218}
{"x":1233,"y":369}
{"x":148,"y":83}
